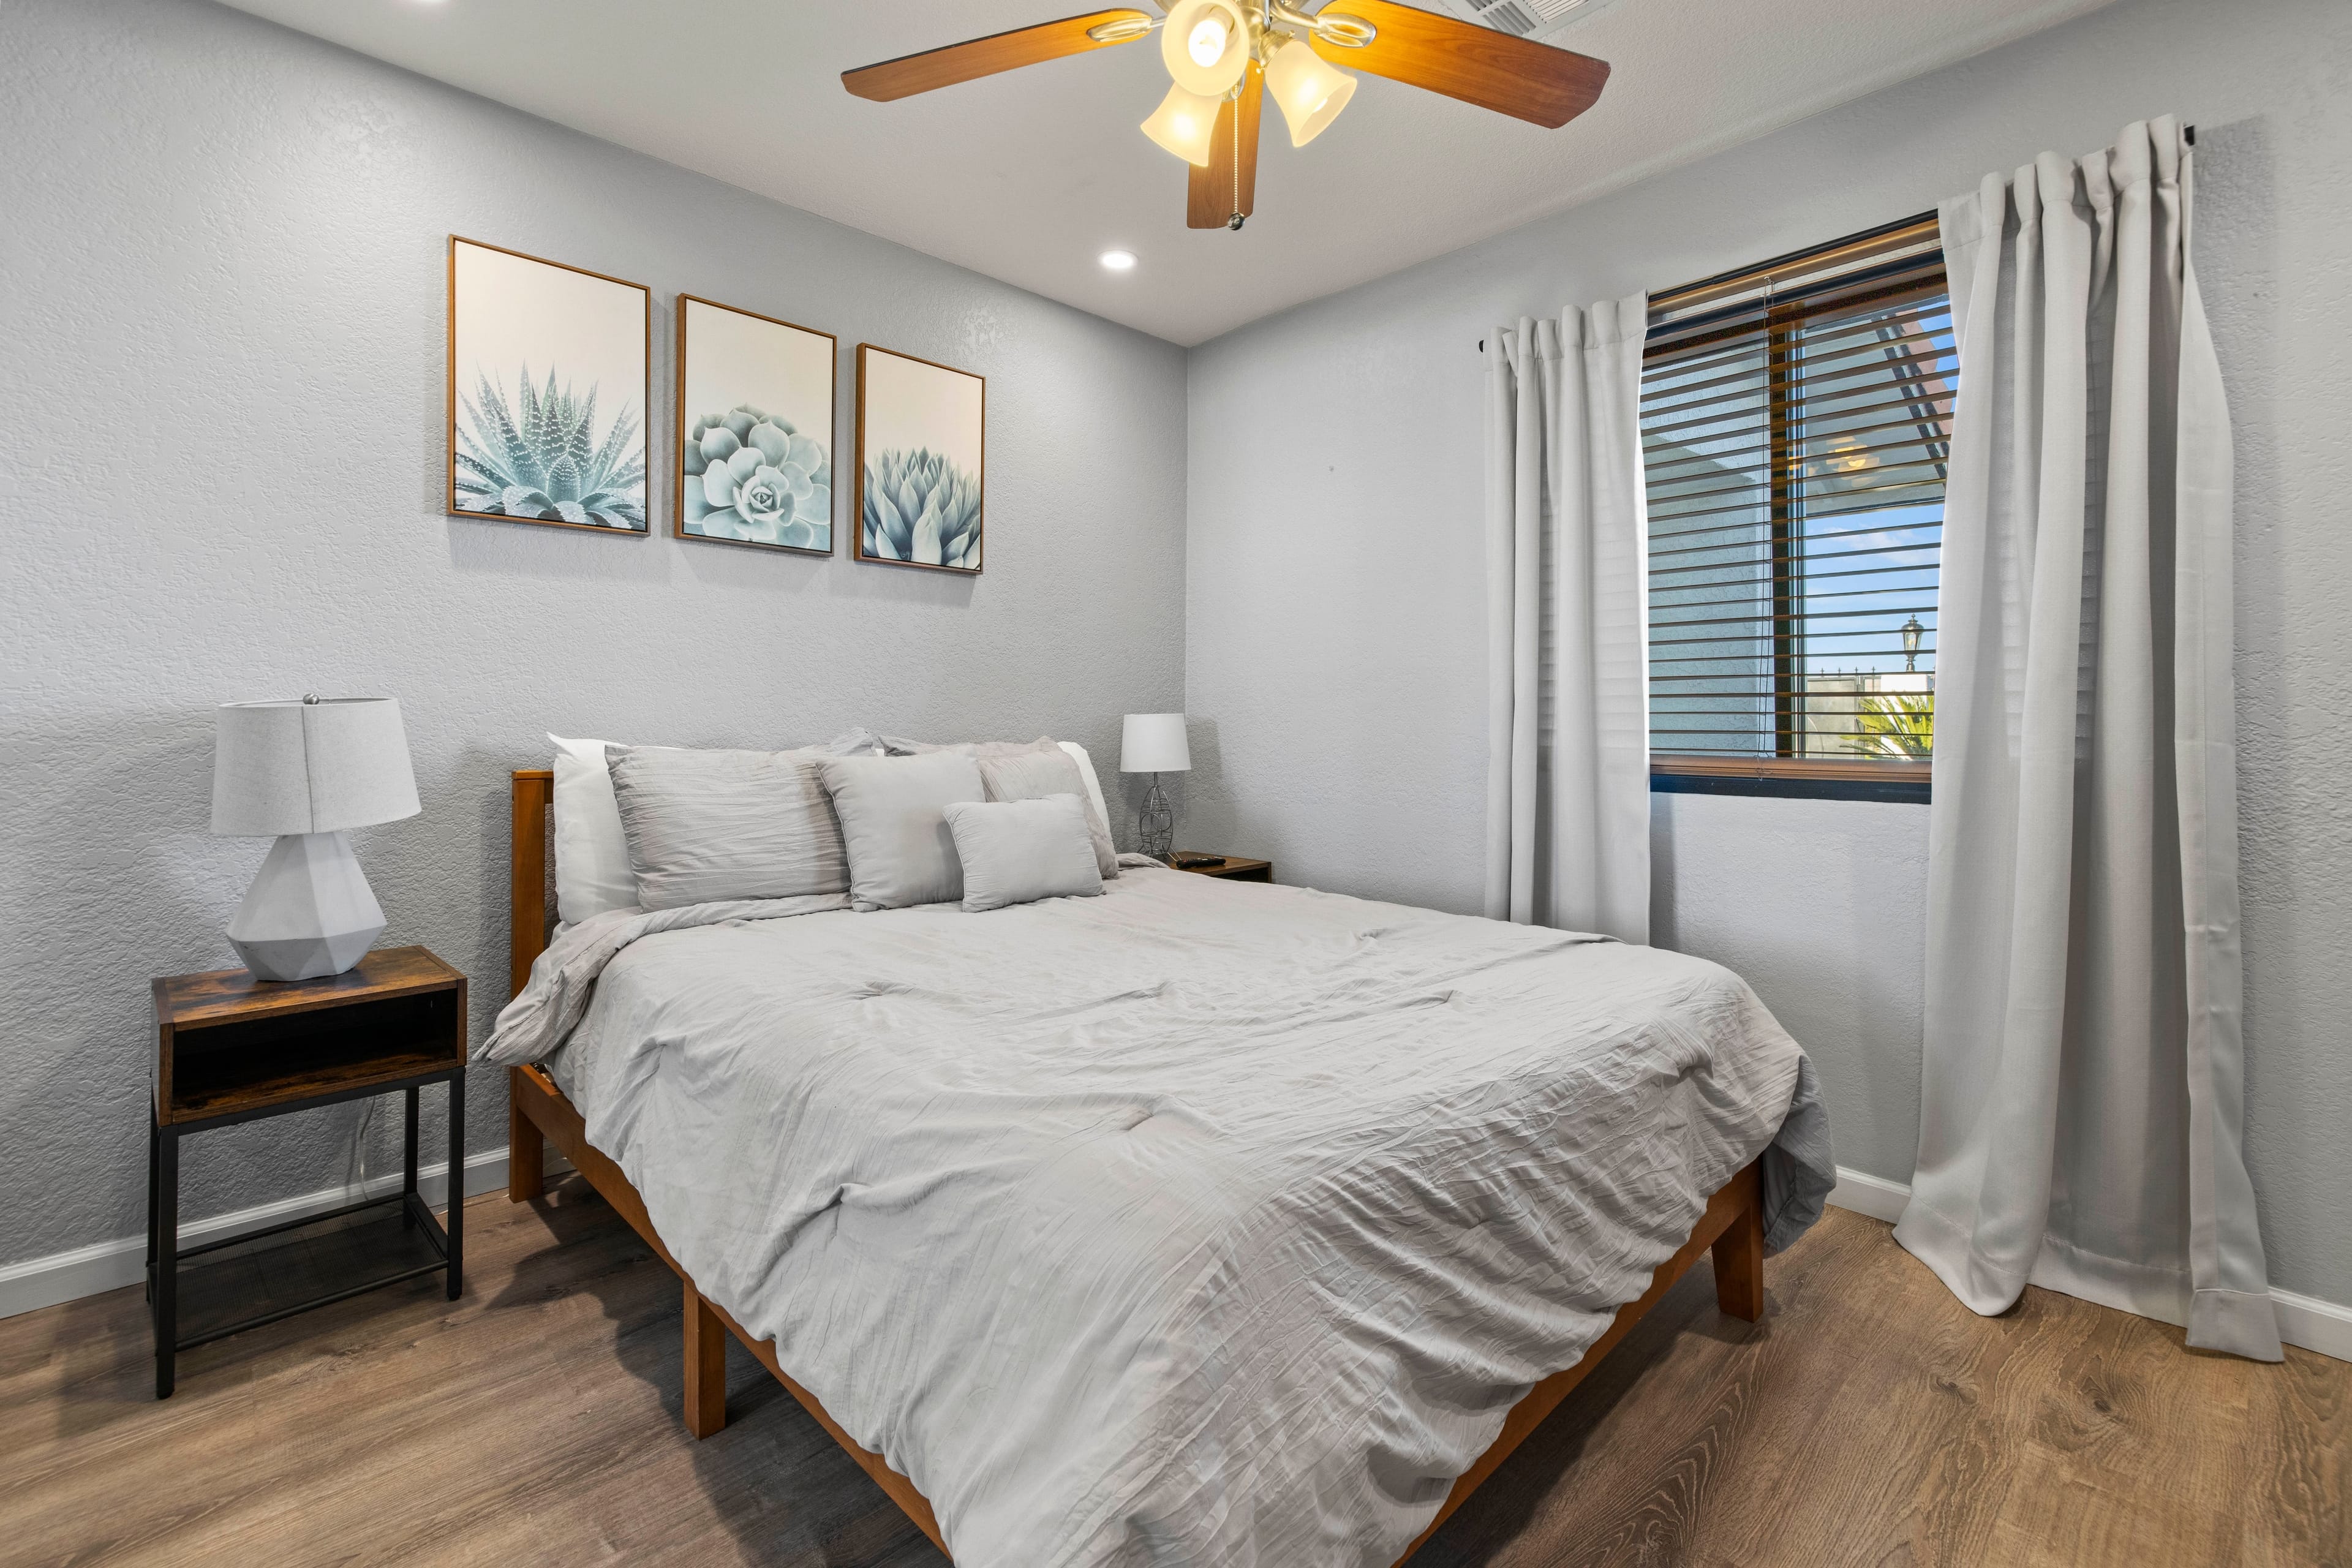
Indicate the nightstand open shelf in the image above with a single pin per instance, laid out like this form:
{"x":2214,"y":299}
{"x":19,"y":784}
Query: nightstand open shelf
{"x":269,"y":1062}
{"x":231,"y":1048}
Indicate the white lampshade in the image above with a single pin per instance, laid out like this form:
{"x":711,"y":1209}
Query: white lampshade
{"x":1154,"y":743}
{"x":1205,"y":44}
{"x":1185,"y":123}
{"x":1308,"y":90}
{"x":305,"y":766}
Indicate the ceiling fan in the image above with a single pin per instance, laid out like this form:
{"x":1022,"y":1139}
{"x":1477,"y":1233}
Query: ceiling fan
{"x":1226,"y":54}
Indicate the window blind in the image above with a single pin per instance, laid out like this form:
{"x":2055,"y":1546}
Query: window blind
{"x":1796,"y":424}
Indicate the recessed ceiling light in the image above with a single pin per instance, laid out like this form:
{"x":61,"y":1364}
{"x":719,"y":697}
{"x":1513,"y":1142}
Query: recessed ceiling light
{"x":1118,"y":260}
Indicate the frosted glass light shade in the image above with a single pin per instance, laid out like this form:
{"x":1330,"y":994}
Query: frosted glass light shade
{"x":1205,"y":44}
{"x":1308,"y":90}
{"x":297,"y":766}
{"x":1185,"y":123}
{"x":1154,"y":743}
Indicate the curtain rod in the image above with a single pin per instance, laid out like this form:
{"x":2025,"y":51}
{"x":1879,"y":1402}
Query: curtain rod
{"x":2188,"y":135}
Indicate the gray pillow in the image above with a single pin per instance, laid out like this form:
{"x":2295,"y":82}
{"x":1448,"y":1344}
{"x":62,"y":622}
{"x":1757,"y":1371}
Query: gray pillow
{"x":702,"y":826}
{"x":1017,"y":851}
{"x":1033,"y":772}
{"x":892,"y":824}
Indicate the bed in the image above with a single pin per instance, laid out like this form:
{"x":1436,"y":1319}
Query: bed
{"x":1194,"y":1222}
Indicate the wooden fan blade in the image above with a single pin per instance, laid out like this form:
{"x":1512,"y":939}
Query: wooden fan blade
{"x":911,"y":74}
{"x":1478,"y":65}
{"x":1227,"y":188}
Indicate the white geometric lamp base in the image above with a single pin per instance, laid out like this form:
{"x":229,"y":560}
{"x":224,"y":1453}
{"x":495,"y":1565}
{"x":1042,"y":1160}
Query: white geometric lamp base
{"x":309,"y":912}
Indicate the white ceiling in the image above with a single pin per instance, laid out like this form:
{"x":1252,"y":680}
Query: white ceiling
{"x":1030,"y":175}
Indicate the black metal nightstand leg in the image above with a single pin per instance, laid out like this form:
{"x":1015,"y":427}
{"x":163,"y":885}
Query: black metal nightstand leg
{"x":409,"y":1159}
{"x":455,"y":1224}
{"x":154,"y":1135}
{"x":166,"y":1224}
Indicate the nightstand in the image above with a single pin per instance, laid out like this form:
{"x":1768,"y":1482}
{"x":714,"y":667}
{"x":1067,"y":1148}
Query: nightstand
{"x":233,"y":1049}
{"x":1232,"y":869}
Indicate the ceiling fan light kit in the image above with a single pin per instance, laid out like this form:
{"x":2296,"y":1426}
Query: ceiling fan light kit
{"x":1224,"y":54}
{"x":1309,"y":92}
{"x":1206,"y":44}
{"x":1185,"y":123}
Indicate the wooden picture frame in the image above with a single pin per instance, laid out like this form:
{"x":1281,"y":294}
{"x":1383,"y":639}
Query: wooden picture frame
{"x":889,"y":434}
{"x":785,"y":509}
{"x":605,"y":501}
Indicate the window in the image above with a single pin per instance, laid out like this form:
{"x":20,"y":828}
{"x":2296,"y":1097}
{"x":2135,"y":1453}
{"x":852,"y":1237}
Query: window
{"x":1796,"y":425}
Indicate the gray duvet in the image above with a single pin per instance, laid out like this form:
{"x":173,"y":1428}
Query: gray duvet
{"x":1193,"y":1224}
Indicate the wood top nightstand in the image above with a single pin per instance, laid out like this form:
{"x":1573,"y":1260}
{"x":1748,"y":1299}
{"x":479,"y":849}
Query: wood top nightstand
{"x":232,"y":1048}
{"x":1233,"y":868}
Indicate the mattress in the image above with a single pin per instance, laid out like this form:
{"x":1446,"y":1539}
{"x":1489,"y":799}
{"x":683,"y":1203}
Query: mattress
{"x":1194,"y":1222}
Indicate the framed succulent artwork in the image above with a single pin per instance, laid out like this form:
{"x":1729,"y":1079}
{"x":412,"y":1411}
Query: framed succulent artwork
{"x":921,"y":431}
{"x":755,"y":429}
{"x":550,"y":378}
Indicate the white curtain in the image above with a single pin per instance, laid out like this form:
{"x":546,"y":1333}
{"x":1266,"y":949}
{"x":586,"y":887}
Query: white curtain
{"x":2080,"y":1115}
{"x":1568,"y":716}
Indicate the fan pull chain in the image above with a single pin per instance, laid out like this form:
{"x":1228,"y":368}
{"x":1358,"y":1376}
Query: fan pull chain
{"x":1233,"y":219}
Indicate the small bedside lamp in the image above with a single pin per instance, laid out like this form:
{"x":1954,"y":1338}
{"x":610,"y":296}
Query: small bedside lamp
{"x":1154,"y":743}
{"x":305,"y":769}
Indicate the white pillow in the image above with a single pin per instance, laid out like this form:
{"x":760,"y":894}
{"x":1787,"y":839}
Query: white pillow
{"x":592,"y":854}
{"x":1017,"y":851}
{"x":893,"y":827}
{"x":1094,"y":786}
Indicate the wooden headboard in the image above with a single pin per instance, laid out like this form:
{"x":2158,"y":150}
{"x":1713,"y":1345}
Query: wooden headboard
{"x":534,"y":798}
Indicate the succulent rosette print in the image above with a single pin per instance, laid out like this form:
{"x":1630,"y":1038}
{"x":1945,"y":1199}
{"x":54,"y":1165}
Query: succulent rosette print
{"x":750,"y":476}
{"x":540,"y":458}
{"x":920,"y":507}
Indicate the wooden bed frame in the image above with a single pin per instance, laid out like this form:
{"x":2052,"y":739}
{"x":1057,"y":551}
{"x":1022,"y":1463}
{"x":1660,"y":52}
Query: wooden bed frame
{"x":1732,"y":1228}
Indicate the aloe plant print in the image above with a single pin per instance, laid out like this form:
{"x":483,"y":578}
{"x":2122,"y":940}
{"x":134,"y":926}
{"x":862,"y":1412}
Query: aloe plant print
{"x":752,"y":476}
{"x":541,"y":457}
{"x":922,"y":508}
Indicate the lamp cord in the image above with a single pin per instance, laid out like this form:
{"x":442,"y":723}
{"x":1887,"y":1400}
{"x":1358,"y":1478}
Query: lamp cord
{"x":360,"y":1148}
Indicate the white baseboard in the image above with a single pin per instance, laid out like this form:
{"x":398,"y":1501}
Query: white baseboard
{"x":2314,"y":1324}
{"x":103,"y":1266}
{"x":2305,"y":1320}
{"x":1873,"y":1196}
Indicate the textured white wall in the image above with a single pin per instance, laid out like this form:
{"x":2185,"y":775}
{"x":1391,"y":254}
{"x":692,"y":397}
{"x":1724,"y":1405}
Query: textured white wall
{"x":221,"y":361}
{"x":1336,"y":657}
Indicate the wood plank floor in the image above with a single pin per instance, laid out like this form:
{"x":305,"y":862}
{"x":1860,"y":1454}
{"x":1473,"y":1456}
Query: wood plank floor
{"x":1868,"y":1419}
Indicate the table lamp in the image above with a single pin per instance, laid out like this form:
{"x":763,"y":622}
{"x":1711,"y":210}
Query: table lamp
{"x":1154,"y":743}
{"x":305,"y":769}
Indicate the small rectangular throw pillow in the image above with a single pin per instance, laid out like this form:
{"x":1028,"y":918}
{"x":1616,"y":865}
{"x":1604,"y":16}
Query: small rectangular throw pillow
{"x":705,"y":825}
{"x":1017,"y":851}
{"x":893,"y":824}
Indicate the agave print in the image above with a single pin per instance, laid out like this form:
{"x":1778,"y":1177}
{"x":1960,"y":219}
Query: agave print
{"x":920,"y":507}
{"x":540,"y":458}
{"x":749,"y":475}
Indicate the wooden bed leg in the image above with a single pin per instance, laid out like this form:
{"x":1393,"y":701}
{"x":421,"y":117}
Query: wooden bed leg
{"x":706,"y":1365}
{"x":1739,"y":1258}
{"x":526,"y":1147}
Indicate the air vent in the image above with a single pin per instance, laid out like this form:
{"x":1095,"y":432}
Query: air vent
{"x":1509,"y":17}
{"x":1543,"y":20}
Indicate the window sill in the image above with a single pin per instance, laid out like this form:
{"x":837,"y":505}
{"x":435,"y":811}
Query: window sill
{"x":1793,"y":778}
